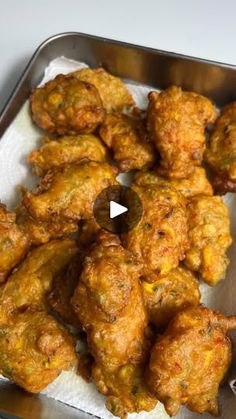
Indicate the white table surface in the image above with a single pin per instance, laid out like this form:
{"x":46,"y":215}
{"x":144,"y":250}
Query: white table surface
{"x":202,"y":28}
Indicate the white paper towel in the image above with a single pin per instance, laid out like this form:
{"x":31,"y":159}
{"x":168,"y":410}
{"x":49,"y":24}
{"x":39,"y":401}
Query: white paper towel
{"x":22,"y":137}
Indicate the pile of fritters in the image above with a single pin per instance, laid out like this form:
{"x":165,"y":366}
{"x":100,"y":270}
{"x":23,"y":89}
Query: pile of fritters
{"x":135,"y":299}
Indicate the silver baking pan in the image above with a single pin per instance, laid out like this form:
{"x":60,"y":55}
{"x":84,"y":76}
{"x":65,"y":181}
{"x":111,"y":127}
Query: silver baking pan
{"x":145,"y":65}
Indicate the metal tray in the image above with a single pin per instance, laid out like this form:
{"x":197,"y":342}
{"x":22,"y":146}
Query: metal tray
{"x":145,"y":65}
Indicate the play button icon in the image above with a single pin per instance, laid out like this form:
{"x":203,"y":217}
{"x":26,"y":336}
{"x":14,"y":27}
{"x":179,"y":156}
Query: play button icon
{"x":117,"y":209}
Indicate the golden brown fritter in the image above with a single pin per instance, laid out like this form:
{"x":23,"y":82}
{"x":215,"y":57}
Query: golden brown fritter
{"x":221,"y":151}
{"x":190,"y":360}
{"x":129,"y":142}
{"x":68,"y":193}
{"x":126,"y":389}
{"x":66,"y":150}
{"x":159,"y":240}
{"x":67,"y":105}
{"x":31,"y":282}
{"x":41,"y":232}
{"x":13,"y":242}
{"x":176,"y":122}
{"x":169,"y":295}
{"x":35,"y":349}
{"x":63,"y":287}
{"x":114,"y":94}
{"x":104,"y":301}
{"x":209,"y":236}
{"x":196,"y":184}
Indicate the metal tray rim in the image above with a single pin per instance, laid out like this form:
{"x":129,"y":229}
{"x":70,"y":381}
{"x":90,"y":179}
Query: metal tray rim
{"x":127,"y":44}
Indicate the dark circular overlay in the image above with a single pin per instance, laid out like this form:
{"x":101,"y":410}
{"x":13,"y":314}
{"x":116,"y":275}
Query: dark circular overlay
{"x":121,"y":195}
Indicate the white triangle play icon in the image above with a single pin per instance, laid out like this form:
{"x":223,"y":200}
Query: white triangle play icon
{"x":116,"y":209}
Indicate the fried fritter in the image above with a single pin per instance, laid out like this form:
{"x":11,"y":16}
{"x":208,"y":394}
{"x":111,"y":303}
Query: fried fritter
{"x":31,"y":282}
{"x":209,"y":236}
{"x":196,"y":184}
{"x":39,"y":232}
{"x":34,"y":350}
{"x":221,"y":151}
{"x":67,"y":105}
{"x":129,"y":141}
{"x":159,"y":240}
{"x":66,"y":150}
{"x":114,"y":94}
{"x":68,"y":193}
{"x":176,"y":122}
{"x":104,"y":301}
{"x":169,"y":295}
{"x":126,"y":389}
{"x":13,"y":242}
{"x":190,"y":360}
{"x":63,"y":287}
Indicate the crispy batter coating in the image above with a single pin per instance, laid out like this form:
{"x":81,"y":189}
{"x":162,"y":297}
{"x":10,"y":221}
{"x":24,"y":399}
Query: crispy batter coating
{"x":34,"y":350}
{"x":129,"y":141}
{"x":190,"y":360}
{"x":85,"y":366}
{"x":68,"y":193}
{"x":67,"y":105}
{"x":196,"y":184}
{"x":66,"y":150}
{"x":159,"y":240}
{"x":88,"y":231}
{"x":115,"y":95}
{"x":63,"y":287}
{"x":170,"y":295}
{"x":30,"y":283}
{"x":209,"y":236}
{"x":41,"y":232}
{"x":221,"y":151}
{"x":176,"y":122}
{"x":104,"y":300}
{"x":13,"y":242}
{"x":126,"y":389}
